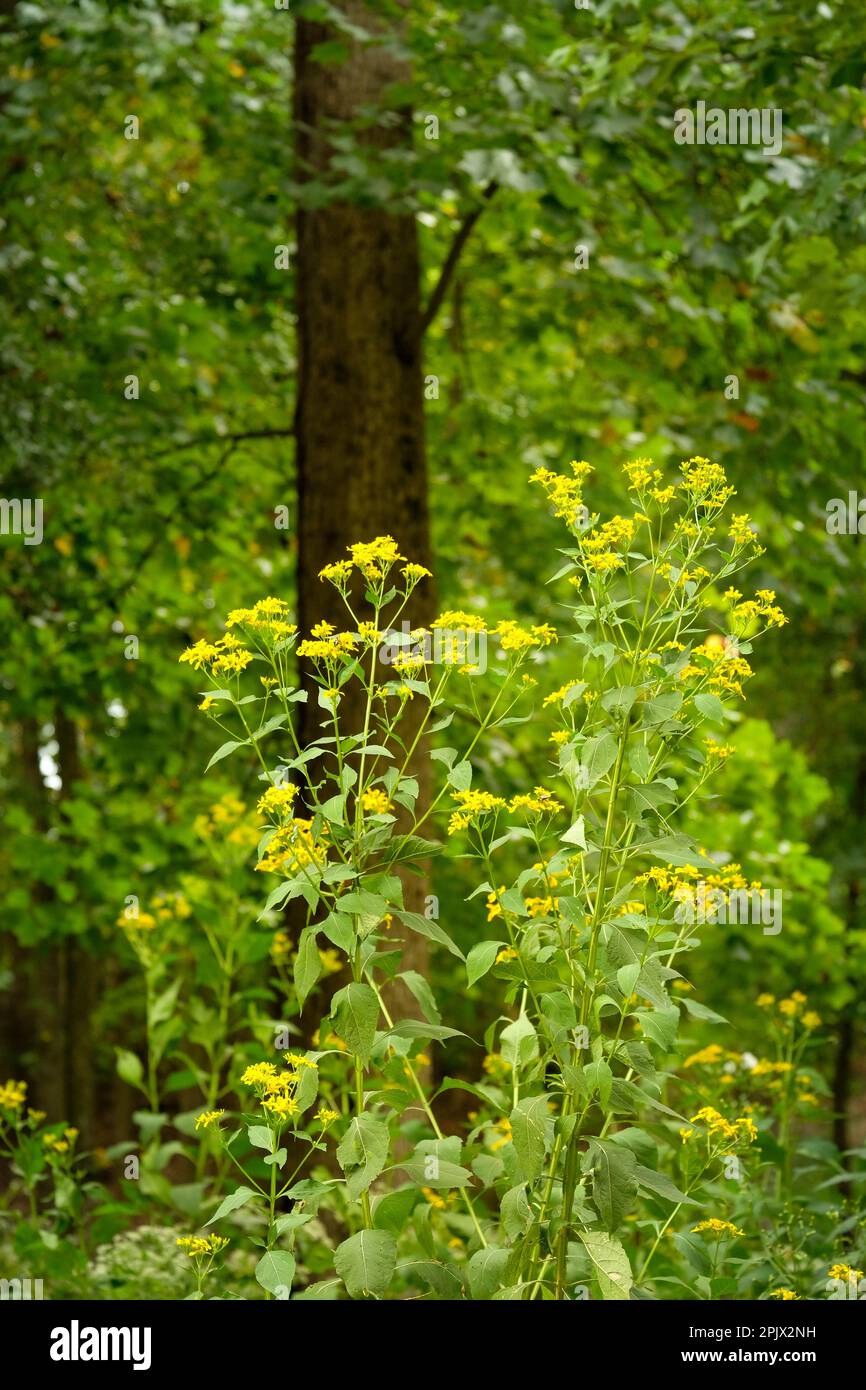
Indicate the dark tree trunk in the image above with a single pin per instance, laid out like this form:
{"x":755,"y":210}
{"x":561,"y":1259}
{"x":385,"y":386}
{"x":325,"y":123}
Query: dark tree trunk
{"x":361,"y":468}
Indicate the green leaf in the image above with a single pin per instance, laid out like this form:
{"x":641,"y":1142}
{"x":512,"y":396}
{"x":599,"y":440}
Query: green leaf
{"x":355,"y":1011}
{"x":238,"y":1198}
{"x":292,"y":1221}
{"x":662,"y":1186}
{"x":598,"y":756}
{"x":619,"y":700}
{"x":626,"y":977}
{"x":599,"y":1077}
{"x":699,"y":1010}
{"x":515,"y":1212}
{"x":614,"y":1181}
{"x":423,"y":993}
{"x":418,"y":1028}
{"x":659,"y":1025}
{"x":610,"y":1262}
{"x":362,"y":1152}
{"x":130,"y":1069}
{"x":334,"y":810}
{"x":308,"y":965}
{"x":529,"y":1124}
{"x":223,"y":752}
{"x":363,"y":904}
{"x":425,"y":926}
{"x":275,"y":1272}
{"x":337,"y":927}
{"x":676,"y":850}
{"x":436,"y":1163}
{"x":576,"y":834}
{"x":485,"y":1271}
{"x":365,"y":1263}
{"x":481,"y":959}
{"x":392,"y":1211}
{"x":519,"y":1042}
{"x":662,"y":708}
{"x":710,"y":707}
{"x":460,"y":776}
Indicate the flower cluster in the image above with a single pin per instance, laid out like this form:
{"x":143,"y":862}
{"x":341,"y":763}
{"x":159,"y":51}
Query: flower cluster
{"x":277,"y":1090}
{"x":295,"y":847}
{"x":736,"y":1131}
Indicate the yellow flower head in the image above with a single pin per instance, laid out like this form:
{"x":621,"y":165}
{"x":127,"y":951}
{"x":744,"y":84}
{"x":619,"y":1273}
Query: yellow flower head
{"x":197,"y":1247}
{"x":540,"y":802}
{"x":472,"y":806}
{"x":208,"y":1118}
{"x":277,"y":799}
{"x":326,"y":1117}
{"x":374,"y":558}
{"x":717,"y":1228}
{"x":13,"y":1095}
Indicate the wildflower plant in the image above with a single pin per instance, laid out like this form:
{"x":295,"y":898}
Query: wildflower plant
{"x":340,"y":818}
{"x":575,"y":1126}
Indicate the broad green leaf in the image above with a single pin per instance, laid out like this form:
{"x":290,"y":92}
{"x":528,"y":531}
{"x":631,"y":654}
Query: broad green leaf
{"x":130,"y":1068}
{"x":515,"y":1212}
{"x":238,"y":1198}
{"x":599,"y":1078}
{"x":391,"y":1212}
{"x":275,"y":1272}
{"x":610,"y":1263}
{"x":441,"y":1173}
{"x":519,"y":1042}
{"x":529,"y":1123}
{"x":710,"y":707}
{"x":425,"y":926}
{"x":576,"y":835}
{"x":460,"y":776}
{"x":659,"y":1025}
{"x":662,"y":1186}
{"x":308,"y":964}
{"x":614,"y":1183}
{"x":485,"y":1271}
{"x":223,"y":752}
{"x":355,"y":1011}
{"x":362,"y":1152}
{"x":598,"y":756}
{"x":420,"y":988}
{"x":699,"y":1010}
{"x":661,"y":708}
{"x":419,"y":1028}
{"x":365,"y":1263}
{"x":481,"y":959}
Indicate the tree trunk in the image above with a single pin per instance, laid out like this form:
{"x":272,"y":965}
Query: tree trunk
{"x":361,"y":468}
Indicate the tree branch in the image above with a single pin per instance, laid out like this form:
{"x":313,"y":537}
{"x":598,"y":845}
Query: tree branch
{"x":450,"y":264}
{"x":233,"y":438}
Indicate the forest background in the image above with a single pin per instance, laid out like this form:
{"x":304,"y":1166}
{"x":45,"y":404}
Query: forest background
{"x":276,"y":281}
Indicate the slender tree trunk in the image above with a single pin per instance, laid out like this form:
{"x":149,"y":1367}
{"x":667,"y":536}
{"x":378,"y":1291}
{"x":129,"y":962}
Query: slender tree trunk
{"x":361,"y":469}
